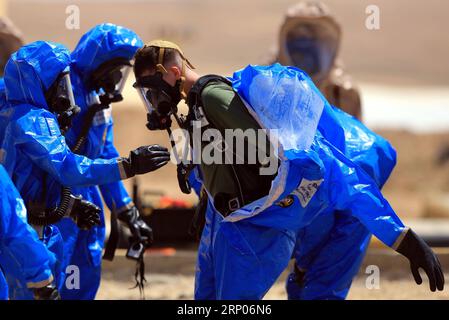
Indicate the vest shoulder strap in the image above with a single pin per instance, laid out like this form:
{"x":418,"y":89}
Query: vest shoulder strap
{"x":194,"y":98}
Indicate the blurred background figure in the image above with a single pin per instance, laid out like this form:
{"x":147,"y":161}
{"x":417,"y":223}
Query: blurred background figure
{"x":10,"y":41}
{"x":310,"y":40}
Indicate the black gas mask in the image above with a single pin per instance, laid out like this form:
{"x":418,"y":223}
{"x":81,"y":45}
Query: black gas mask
{"x":305,"y":54}
{"x":109,"y":79}
{"x":312,"y":47}
{"x":160,"y":100}
{"x":61,"y":101}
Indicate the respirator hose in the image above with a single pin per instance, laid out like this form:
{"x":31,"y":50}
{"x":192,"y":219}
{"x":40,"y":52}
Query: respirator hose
{"x":52,"y":217}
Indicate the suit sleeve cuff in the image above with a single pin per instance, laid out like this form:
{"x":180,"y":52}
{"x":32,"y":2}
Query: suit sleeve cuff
{"x":40,"y":284}
{"x":399,"y":239}
{"x":122,"y":170}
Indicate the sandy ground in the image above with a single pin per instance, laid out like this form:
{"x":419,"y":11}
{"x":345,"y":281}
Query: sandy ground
{"x":172,"y":277}
{"x":174,"y":286}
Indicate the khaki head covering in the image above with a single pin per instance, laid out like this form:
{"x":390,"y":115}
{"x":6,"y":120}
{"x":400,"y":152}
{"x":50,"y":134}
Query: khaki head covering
{"x":326,"y":28}
{"x":10,"y":41}
{"x":162,"y":45}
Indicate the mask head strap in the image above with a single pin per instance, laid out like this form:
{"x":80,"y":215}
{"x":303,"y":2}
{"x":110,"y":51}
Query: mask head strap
{"x":162,"y":45}
{"x":160,"y":64}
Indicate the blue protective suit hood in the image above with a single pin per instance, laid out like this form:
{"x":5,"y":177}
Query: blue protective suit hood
{"x":312,"y":112}
{"x":264,"y":89}
{"x":268,"y":88}
{"x":103,"y":43}
{"x":285,"y":98}
{"x":31,"y":71}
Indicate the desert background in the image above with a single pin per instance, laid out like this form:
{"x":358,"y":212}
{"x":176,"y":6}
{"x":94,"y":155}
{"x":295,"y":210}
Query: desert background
{"x":402,"y":71}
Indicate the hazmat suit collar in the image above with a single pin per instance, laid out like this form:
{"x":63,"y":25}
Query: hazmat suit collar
{"x":286,"y":100}
{"x":31,"y":71}
{"x":103,"y":43}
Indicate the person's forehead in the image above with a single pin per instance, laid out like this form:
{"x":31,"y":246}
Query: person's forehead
{"x":311,"y":28}
{"x":304,"y":29}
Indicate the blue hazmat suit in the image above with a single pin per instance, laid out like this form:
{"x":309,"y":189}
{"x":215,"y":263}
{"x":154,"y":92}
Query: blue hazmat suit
{"x":23,"y":257}
{"x":3,"y":287}
{"x":242,"y":255}
{"x":330,"y":250}
{"x":2,"y":93}
{"x":83,"y":248}
{"x":3,"y":284}
{"x":32,"y":146}
{"x":21,"y":252}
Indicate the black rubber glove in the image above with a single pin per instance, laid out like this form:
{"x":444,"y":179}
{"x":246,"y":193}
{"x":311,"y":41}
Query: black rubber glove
{"x":145,"y":159}
{"x":48,"y":292}
{"x":421,"y":255}
{"x":141,"y":233}
{"x":84,"y":213}
{"x":138,"y":228}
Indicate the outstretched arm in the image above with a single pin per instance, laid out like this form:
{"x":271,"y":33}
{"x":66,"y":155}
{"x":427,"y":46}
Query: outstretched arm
{"x":354,"y":191}
{"x":37,"y":135}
